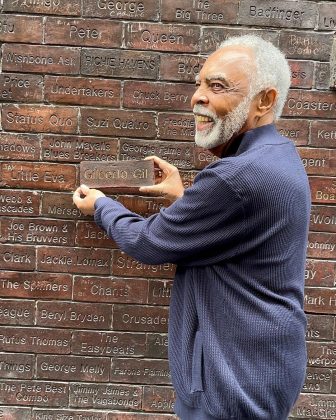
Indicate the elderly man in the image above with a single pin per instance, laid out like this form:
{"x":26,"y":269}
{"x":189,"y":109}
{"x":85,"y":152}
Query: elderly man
{"x":238,"y":237}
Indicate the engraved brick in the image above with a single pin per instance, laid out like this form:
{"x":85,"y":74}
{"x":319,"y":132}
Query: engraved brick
{"x":60,"y":205}
{"x":323,"y":219}
{"x":322,"y":75}
{"x":19,"y":203}
{"x":109,"y":396}
{"x":32,"y":393}
{"x":163,"y":96}
{"x":89,"y":234}
{"x":302,"y":103}
{"x":321,"y":245}
{"x":320,"y":327}
{"x":158,"y":399}
{"x":38,"y":176}
{"x":35,"y":285}
{"x":37,"y":119}
{"x":53,"y":414}
{"x":140,"y":10}
{"x":306,"y":45}
{"x":160,"y":37}
{"x":32,"y":231}
{"x":15,"y":413}
{"x":157,"y":346}
{"x":282,"y":14}
{"x":203,"y":157}
{"x":140,"y":318}
{"x":295,"y":130}
{"x":318,"y":161}
{"x":179,"y":154}
{"x":73,"y":368}
{"x":145,"y":206}
{"x":74,"y":260}
{"x":48,"y":7}
{"x":188,"y":178}
{"x":321,"y":354}
{"x":108,"y":122}
{"x":110,"y":290}
{"x":14,"y":365}
{"x":323,"y":190}
{"x":320,"y":300}
{"x":118,"y":63}
{"x":302,"y":73}
{"x":317,"y":380}
{"x":83,"y":32}
{"x":182,"y":68}
{"x":311,"y":407}
{"x":40,"y":59}
{"x":159,"y":292}
{"x":327,"y":13}
{"x":78,"y":149}
{"x":14,"y":312}
{"x":332,"y":79}
{"x":21,"y":87}
{"x":323,"y":134}
{"x":93,"y":343}
{"x":212,"y":37}
{"x":320,"y":273}
{"x":17,"y":257}
{"x":140,"y":416}
{"x":193,"y":11}
{"x":19,"y":147}
{"x":67,"y":314}
{"x":35,"y":340}
{"x":20,"y":28}
{"x":176,"y":126}
{"x":82,"y":91}
{"x":123,"y":263}
{"x":140,"y":371}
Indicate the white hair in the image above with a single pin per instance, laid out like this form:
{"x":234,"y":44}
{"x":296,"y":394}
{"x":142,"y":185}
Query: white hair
{"x":272,"y":69}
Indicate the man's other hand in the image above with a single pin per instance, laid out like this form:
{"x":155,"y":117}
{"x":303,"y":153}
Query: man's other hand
{"x":86,"y":204}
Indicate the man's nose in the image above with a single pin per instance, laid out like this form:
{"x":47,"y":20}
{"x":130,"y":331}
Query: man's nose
{"x":199,"y":97}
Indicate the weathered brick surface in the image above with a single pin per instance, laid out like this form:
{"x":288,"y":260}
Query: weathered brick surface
{"x":83,"y":325}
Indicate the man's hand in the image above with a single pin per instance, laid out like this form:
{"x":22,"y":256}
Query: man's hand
{"x":86,"y":204}
{"x":170,"y":185}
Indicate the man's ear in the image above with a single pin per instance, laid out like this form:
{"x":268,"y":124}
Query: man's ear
{"x":266,"y":101}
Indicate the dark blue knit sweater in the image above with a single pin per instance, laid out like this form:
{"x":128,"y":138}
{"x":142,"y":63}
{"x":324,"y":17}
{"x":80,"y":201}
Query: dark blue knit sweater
{"x":238,"y":237}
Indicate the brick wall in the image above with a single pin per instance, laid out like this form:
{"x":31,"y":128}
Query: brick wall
{"x":84,"y":326}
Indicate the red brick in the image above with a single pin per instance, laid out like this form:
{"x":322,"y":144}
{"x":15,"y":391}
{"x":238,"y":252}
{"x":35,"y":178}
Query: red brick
{"x":320,"y":273}
{"x":37,"y":119}
{"x":17,"y":257}
{"x":107,"y":122}
{"x":296,"y":130}
{"x":139,"y":10}
{"x":19,"y":203}
{"x":323,"y":190}
{"x":60,"y":205}
{"x":158,"y":399}
{"x":140,"y":371}
{"x":157,"y":346}
{"x":302,"y":73}
{"x":35,"y":285}
{"x":302,"y":103}
{"x":93,"y":343}
{"x":89,"y":234}
{"x":74,"y":260}
{"x":305,"y":45}
{"x":105,"y":396}
{"x":38,"y":176}
{"x":321,"y":245}
{"x":323,"y":219}
{"x":188,"y":178}
{"x":15,"y":365}
{"x":282,"y":14}
{"x":53,"y":414}
{"x":323,"y":134}
{"x":15,"y":413}
{"x":327,"y":13}
{"x":310,"y":406}
{"x":145,"y":206}
{"x":176,"y":126}
{"x":182,"y":68}
{"x":73,"y":368}
{"x":123,"y":263}
{"x":48,"y":7}
{"x":317,"y":380}
{"x":32,"y":231}
{"x":33,"y":393}
{"x":203,"y":157}
{"x":83,"y":32}
{"x":139,"y":416}
{"x":14,"y":312}
{"x":21,"y":28}
{"x":162,"y":96}
{"x":119,"y":63}
{"x":193,"y":11}
{"x":159,"y":292}
{"x":332,"y":79}
{"x":318,"y":161}
{"x":320,"y":327}
{"x":19,"y":147}
{"x":140,"y":318}
{"x":160,"y":37}
{"x":320,"y":300}
{"x":82,"y":91}
{"x":21,"y":87}
{"x":40,"y":59}
{"x":35,"y":340}
{"x":110,"y":290}
{"x":322,"y":75}
{"x":321,"y":354}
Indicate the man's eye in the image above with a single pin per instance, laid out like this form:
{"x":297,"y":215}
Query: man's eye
{"x":217,"y":86}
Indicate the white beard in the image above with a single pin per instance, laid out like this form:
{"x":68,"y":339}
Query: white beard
{"x":224,"y":128}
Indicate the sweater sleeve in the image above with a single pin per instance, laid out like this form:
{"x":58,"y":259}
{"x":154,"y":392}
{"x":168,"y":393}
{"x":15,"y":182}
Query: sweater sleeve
{"x":205,"y":226}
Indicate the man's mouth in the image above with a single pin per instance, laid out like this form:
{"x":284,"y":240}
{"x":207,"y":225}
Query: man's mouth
{"x":203,"y":122}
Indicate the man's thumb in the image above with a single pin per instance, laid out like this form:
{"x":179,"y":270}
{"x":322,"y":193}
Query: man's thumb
{"x":85,"y":189}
